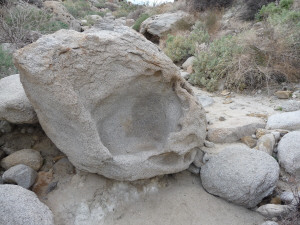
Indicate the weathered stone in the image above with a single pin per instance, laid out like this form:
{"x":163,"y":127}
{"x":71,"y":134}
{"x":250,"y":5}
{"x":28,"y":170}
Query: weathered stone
{"x":289,"y":152}
{"x":198,"y":161}
{"x":289,"y":197}
{"x":209,"y":144}
{"x":274,"y":210}
{"x":142,"y":123}
{"x":194,"y":169}
{"x":20,"y":206}
{"x":205,"y":100}
{"x":289,"y":106}
{"x":14,"y":104}
{"x":62,"y":14}
{"x":130,"y":22}
{"x":240,"y":175}
{"x":229,"y":133}
{"x":185,"y":75}
{"x":249,"y":141}
{"x":44,"y":179}
{"x":157,"y":25}
{"x":266,"y":143}
{"x":288,"y":121}
{"x":283,"y":94}
{"x":21,"y":175}
{"x":188,"y":62}
{"x":27,"y":157}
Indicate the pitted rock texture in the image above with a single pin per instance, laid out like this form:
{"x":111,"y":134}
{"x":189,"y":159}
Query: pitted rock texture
{"x":112,"y":102}
{"x":14,"y":104}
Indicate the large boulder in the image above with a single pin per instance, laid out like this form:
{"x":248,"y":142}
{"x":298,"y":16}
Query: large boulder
{"x":157,"y":25}
{"x":20,"y":206}
{"x":287,"y":121}
{"x":289,"y":152}
{"x":112,"y":102}
{"x":240,"y":175}
{"x":14,"y":104}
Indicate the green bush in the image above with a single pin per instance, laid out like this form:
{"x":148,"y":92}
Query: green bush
{"x":212,"y":65}
{"x":139,"y":21}
{"x":125,"y":9}
{"x":6,"y":63}
{"x":80,"y":8}
{"x":179,"y":48}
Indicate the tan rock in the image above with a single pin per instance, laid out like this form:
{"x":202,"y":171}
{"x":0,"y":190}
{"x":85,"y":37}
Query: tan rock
{"x":112,"y":102}
{"x":189,"y":69}
{"x":28,"y":157}
{"x":283,"y":94}
{"x":249,"y":141}
{"x":266,"y":143}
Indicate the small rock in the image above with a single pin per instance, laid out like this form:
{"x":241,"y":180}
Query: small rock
{"x":5,"y":127}
{"x":269,"y":222}
{"x":21,"y":175}
{"x":42,"y":182}
{"x":289,"y":197}
{"x":205,"y":100}
{"x":27,"y":157}
{"x":63,"y":167}
{"x":288,"y":152}
{"x":20,"y":206}
{"x":225,"y":92}
{"x":249,"y":141}
{"x":240,"y":175}
{"x":272,"y":210}
{"x":266,"y":143}
{"x":222,"y":118}
{"x":276,"y":135}
{"x":198,"y":161}
{"x":190,"y":69}
{"x":185,"y":75}
{"x":188,"y":62}
{"x":209,"y":144}
{"x":287,"y":121}
{"x":228,"y":101}
{"x":193,"y":169}
{"x":283,"y":94}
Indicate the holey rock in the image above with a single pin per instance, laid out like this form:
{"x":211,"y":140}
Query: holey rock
{"x":112,"y":102}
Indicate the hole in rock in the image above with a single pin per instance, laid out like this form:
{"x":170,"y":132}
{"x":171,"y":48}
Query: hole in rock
{"x":139,"y":117}
{"x":151,"y":37}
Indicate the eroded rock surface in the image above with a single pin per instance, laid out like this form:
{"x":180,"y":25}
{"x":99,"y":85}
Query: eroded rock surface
{"x":112,"y":102}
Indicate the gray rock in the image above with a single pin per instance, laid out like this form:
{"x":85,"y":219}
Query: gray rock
{"x":273,"y":210}
{"x":198,"y":161}
{"x":209,"y":144}
{"x":289,"y":106}
{"x":29,"y":157}
{"x":1,"y":181}
{"x":266,"y":143}
{"x":194,"y":169}
{"x":21,"y":175}
{"x":205,"y":100}
{"x":289,"y":197}
{"x":142,"y":123}
{"x":5,"y":127}
{"x":14,"y":104}
{"x":20,"y":206}
{"x":224,"y":134}
{"x":289,"y":152}
{"x":240,"y":175}
{"x":287,"y":121}
{"x":269,"y":223}
{"x":188,"y":62}
{"x":157,"y":25}
{"x":185,"y":75}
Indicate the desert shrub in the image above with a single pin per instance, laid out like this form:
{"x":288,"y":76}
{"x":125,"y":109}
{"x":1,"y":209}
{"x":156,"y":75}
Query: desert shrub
{"x":216,"y":63}
{"x":200,"y":5}
{"x":139,"y":21}
{"x":6,"y":63}
{"x":136,"y":13}
{"x":252,"y":7}
{"x":125,"y":9}
{"x":21,"y":24}
{"x":80,"y":8}
{"x":179,"y":48}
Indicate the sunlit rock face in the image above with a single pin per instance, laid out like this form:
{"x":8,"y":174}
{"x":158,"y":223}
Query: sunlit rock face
{"x":112,"y":102}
